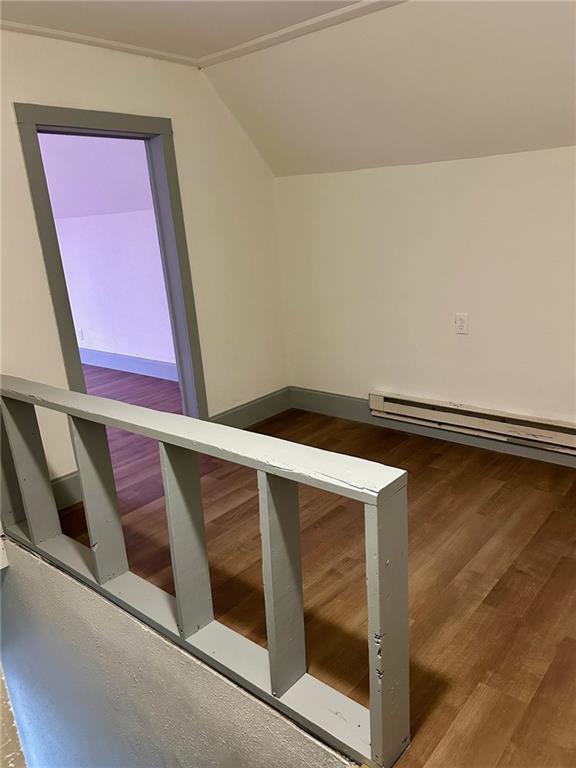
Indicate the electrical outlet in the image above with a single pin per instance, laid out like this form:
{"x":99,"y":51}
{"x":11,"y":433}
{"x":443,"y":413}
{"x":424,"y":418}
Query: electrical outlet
{"x":81,"y":334}
{"x":461,"y":323}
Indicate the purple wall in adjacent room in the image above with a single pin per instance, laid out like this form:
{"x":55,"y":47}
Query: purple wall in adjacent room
{"x":102,"y":205}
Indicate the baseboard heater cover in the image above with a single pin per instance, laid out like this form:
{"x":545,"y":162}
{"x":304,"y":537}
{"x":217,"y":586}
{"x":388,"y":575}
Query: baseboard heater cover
{"x":498,"y":425}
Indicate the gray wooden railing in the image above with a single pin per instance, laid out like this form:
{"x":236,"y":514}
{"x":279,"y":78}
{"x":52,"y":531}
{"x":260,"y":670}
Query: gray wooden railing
{"x":377,"y":735}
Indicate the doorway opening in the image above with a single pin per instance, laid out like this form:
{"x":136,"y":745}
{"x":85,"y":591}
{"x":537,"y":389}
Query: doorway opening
{"x":103,"y":210}
{"x":106,"y":197}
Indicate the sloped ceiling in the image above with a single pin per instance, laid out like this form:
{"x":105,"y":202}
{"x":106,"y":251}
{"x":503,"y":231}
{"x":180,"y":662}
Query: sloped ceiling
{"x":415,"y":83}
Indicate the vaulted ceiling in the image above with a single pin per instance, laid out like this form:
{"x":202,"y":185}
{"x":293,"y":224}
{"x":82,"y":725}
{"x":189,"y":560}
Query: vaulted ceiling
{"x":412,"y":82}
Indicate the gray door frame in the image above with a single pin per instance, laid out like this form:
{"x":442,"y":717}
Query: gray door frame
{"x":157,"y":133}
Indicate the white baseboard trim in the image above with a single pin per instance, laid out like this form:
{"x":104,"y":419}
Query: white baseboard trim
{"x":129,"y":364}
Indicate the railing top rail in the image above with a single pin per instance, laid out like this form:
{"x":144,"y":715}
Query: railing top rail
{"x":348,"y":476}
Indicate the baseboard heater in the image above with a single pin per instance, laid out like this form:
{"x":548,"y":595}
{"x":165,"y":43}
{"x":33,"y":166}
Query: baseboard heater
{"x":496,"y":425}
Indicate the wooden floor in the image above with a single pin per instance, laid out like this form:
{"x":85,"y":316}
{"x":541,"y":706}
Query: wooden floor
{"x":492,"y":578}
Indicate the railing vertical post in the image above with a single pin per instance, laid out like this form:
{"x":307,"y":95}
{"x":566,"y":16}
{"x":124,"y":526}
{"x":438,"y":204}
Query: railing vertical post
{"x":100,"y":502}
{"x":282,"y":575}
{"x":388,"y":626}
{"x":181,"y":477}
{"x":31,"y":469}
{"x":11,"y":505}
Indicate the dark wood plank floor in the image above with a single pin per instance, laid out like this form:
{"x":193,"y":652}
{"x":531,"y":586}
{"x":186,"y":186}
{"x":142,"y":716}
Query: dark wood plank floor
{"x":492,"y":577}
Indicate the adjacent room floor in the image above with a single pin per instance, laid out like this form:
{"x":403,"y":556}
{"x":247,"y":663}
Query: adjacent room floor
{"x":492,"y":577}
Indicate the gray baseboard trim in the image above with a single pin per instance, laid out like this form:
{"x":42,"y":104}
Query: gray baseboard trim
{"x":330,"y":404}
{"x":129,"y":364}
{"x":261,"y":408}
{"x":67,"y":490}
{"x":357,"y":409}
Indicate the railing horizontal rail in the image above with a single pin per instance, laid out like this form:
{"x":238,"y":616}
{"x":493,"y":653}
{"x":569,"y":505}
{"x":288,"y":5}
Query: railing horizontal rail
{"x":346,"y":475}
{"x":278,"y":675}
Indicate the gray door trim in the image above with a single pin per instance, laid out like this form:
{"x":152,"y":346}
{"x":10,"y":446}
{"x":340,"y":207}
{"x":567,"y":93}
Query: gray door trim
{"x":32,"y":118}
{"x":92,"y":122}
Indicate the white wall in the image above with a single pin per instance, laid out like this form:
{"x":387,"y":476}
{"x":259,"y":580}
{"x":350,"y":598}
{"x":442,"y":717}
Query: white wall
{"x":228,"y":211}
{"x":377,"y":262}
{"x":115,"y":283}
{"x":92,"y":687}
